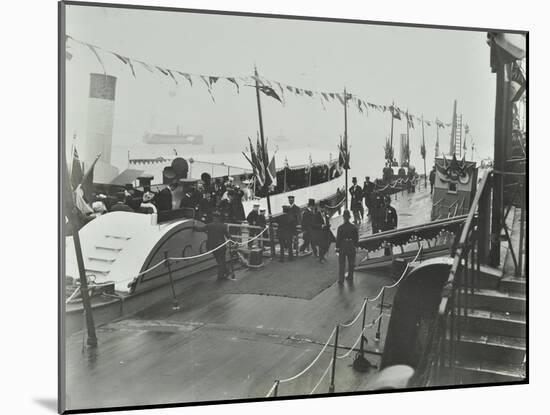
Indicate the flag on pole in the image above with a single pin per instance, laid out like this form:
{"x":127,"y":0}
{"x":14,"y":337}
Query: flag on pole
{"x":88,"y":181}
{"x":76,"y":170}
{"x":343,"y":154}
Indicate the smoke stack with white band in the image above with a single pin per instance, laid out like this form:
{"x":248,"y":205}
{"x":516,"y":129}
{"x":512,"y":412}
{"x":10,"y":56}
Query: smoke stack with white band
{"x":101,"y":111}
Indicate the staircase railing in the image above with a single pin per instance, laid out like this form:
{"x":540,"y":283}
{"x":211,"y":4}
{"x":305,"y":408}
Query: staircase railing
{"x":463,"y":279}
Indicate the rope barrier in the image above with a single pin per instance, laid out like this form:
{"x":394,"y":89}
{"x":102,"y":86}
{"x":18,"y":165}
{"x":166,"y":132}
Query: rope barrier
{"x":312,"y":363}
{"x":203,"y":254}
{"x":372,"y":324}
{"x":357,"y":316}
{"x":336,"y":206}
{"x":322,"y":377}
{"x":271,"y":390}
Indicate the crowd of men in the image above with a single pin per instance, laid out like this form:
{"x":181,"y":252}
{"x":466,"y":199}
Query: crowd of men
{"x":199,"y":200}
{"x":382,"y":215}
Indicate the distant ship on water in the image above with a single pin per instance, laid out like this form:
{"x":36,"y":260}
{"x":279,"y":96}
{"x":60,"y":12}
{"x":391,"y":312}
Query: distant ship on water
{"x":177,"y":138}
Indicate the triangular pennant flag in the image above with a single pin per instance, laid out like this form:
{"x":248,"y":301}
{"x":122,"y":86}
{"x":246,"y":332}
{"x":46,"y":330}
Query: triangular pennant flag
{"x":162,"y":70}
{"x":172,"y":75}
{"x":212,"y":80}
{"x":331,"y":94}
{"x":282,"y":94}
{"x":233,"y":81}
{"x":289,"y":88}
{"x":340,"y":98}
{"x":322,"y":102}
{"x":325,"y":96}
{"x":359,"y":106}
{"x":93,"y":49}
{"x":186,"y":76}
{"x":126,"y":62}
{"x":146,"y":66}
{"x":270,"y":92}
{"x":207,"y":83}
{"x":308,"y":93}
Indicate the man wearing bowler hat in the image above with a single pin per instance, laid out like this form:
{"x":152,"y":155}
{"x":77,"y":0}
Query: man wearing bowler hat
{"x":347,"y":238}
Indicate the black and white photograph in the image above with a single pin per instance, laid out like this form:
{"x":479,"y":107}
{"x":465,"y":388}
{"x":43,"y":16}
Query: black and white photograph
{"x":265,"y":207}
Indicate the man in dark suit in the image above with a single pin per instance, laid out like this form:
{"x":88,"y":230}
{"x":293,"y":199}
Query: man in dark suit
{"x":216,"y":233}
{"x":164,"y":197}
{"x":120,"y":205}
{"x":252,"y":220}
{"x":368,"y":194}
{"x":296,"y":213}
{"x":356,"y":203}
{"x":389,"y":221}
{"x":322,"y":235}
{"x":286,"y":229}
{"x":307,"y":222}
{"x":347,"y":238}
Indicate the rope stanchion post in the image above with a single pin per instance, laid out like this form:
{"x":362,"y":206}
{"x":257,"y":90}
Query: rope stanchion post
{"x":175,"y":303}
{"x":276,"y":390}
{"x":333,"y":374}
{"x":377,"y":335}
{"x":360,"y":363}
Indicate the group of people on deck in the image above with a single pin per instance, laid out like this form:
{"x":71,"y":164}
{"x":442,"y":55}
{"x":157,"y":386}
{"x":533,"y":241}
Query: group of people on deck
{"x":383,"y":216}
{"x":315,"y":225}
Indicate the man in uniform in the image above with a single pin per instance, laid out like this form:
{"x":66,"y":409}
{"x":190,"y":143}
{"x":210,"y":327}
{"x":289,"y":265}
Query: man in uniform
{"x":389,"y":221}
{"x":377,"y":213}
{"x":307,"y":222}
{"x":286,"y":230}
{"x":347,"y":238}
{"x":216,"y":233}
{"x":368,"y":194}
{"x":356,"y":203}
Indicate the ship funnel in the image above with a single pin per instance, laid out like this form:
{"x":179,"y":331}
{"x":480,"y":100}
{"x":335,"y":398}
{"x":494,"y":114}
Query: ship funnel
{"x":101,"y":111}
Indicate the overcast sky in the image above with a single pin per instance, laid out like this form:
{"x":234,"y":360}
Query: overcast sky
{"x":423,"y":70}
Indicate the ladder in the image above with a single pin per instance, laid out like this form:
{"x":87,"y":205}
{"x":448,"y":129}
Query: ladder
{"x":458,"y":137}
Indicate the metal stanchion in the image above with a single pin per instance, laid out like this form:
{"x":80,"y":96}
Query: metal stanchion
{"x":276,"y":390}
{"x":331,"y":387}
{"x":360,"y":363}
{"x":377,"y":336}
{"x":175,"y":303}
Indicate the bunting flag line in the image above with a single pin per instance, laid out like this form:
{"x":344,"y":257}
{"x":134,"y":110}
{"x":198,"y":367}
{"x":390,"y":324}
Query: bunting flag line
{"x":267,"y":86}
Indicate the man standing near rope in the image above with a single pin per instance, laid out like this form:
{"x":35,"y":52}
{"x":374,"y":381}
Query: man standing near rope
{"x":217,"y":233}
{"x":347,"y":238}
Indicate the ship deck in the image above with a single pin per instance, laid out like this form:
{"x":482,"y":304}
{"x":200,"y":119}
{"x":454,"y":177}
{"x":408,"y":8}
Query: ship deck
{"x":233,"y":339}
